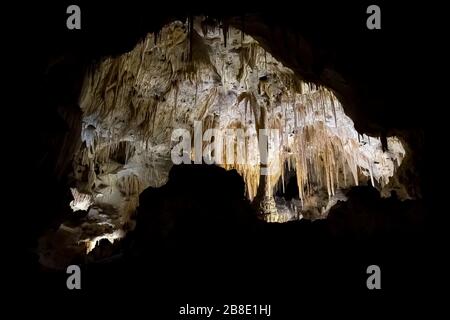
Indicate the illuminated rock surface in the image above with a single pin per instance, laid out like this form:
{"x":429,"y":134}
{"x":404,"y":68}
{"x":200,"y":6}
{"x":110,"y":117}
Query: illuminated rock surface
{"x":132,"y":103}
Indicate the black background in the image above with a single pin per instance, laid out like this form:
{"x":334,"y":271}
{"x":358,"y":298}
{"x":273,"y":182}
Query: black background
{"x":395,"y":68}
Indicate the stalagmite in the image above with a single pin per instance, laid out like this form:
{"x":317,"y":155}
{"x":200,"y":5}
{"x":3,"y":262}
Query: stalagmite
{"x":81,"y":201}
{"x":264,"y":201}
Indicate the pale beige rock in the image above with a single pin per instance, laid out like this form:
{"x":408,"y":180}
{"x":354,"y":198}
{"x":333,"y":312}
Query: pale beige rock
{"x":132,"y":103}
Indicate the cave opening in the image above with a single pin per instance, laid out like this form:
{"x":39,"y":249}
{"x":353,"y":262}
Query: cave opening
{"x":197,"y":75}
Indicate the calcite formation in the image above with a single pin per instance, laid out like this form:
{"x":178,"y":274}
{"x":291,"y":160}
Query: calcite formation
{"x":194,"y":71}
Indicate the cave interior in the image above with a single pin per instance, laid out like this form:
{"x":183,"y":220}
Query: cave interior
{"x":346,"y":186}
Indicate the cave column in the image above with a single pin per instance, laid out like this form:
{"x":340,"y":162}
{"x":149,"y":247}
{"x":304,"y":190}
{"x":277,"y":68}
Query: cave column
{"x":264,"y":201}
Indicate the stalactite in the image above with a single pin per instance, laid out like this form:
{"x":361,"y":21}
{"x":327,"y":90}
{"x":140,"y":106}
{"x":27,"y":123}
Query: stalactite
{"x":190,"y":36}
{"x":370,"y":172}
{"x":225,"y":32}
{"x":174,"y":77}
{"x":129,"y":185}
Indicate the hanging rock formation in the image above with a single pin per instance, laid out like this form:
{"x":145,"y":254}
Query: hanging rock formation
{"x":223,"y":79}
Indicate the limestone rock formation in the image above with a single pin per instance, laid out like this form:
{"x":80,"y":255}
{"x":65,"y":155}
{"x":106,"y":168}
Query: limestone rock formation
{"x":194,"y":73}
